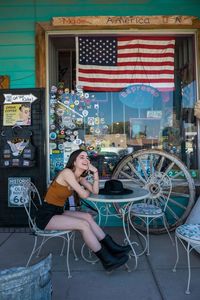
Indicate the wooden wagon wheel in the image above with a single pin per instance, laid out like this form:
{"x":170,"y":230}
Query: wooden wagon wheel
{"x":140,"y":166}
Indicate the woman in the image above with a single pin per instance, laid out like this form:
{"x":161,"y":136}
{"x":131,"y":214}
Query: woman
{"x":52,"y":216}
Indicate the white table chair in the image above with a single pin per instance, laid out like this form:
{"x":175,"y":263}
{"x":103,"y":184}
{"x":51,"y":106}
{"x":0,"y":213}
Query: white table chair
{"x":34,"y":201}
{"x":153,"y":207}
{"x":189,"y":236}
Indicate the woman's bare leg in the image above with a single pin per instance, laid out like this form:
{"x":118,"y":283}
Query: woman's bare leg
{"x":61,"y":222}
{"x":99,"y":233}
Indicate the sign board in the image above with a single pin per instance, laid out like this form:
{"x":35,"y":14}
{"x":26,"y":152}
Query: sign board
{"x":18,"y":191}
{"x":123,"y":20}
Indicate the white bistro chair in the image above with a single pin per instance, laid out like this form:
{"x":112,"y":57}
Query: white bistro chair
{"x":189,"y":236}
{"x":34,"y":201}
{"x":160,"y":185}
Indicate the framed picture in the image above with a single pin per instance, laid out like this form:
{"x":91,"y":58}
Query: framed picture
{"x":18,"y":191}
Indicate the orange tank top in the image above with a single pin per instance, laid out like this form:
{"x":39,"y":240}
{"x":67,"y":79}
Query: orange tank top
{"x":57,"y":194}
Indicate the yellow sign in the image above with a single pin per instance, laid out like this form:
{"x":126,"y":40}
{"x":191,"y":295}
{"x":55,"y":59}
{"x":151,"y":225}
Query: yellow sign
{"x":17,"y":114}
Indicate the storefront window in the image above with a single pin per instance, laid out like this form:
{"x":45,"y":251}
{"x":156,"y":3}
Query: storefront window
{"x":112,"y":124}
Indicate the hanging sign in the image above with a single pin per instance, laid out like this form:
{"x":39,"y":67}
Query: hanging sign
{"x":123,"y":20}
{"x":18,"y":191}
{"x":9,"y":98}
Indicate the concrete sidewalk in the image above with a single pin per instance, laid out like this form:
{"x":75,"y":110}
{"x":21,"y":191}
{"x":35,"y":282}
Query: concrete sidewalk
{"x":153,"y":279}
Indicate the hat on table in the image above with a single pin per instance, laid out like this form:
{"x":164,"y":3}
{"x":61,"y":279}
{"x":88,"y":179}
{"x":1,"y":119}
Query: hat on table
{"x":114,"y":187}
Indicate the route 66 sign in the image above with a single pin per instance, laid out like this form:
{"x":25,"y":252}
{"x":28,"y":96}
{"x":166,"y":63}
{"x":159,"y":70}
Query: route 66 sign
{"x":18,"y":191}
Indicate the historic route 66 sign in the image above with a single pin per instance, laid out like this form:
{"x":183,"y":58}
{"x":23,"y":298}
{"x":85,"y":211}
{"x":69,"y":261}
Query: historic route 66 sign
{"x":18,"y":191}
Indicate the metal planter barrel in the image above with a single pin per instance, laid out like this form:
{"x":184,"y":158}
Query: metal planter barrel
{"x":28,"y":283}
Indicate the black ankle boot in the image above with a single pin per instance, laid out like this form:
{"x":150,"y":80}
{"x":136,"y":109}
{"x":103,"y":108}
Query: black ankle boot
{"x":109,"y":261}
{"x":113,"y":247}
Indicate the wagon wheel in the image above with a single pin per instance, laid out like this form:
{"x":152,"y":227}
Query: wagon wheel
{"x":142,"y":165}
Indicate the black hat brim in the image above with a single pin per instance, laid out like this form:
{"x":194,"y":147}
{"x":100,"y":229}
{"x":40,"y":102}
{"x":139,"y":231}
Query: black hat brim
{"x":123,"y":192}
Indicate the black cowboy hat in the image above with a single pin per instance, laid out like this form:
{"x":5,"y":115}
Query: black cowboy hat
{"x":114,"y":187}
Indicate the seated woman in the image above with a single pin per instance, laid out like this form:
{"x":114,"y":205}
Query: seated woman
{"x":52,"y":216}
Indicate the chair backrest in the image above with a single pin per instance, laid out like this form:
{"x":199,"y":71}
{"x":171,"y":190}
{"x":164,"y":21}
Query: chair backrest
{"x":34,"y":201}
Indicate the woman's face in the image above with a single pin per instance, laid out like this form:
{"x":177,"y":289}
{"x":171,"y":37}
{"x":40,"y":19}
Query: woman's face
{"x":82,"y":161}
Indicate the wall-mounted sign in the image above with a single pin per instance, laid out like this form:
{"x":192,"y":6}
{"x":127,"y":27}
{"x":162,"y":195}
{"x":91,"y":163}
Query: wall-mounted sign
{"x":18,"y":191}
{"x":17,"y":114}
{"x":123,"y":20}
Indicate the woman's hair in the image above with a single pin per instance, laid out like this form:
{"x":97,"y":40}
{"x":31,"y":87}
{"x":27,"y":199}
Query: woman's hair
{"x":72,"y":158}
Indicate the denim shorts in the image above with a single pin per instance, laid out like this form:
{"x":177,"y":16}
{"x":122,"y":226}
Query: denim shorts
{"x":45,"y":213}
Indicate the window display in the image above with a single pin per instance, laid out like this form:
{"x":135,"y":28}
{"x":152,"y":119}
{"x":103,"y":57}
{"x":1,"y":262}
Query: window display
{"x":109,"y":123}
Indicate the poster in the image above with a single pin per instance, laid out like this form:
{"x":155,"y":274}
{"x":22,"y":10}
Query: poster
{"x":18,"y":191}
{"x":17,"y":114}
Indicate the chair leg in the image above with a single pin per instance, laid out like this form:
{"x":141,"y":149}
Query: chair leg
{"x":177,"y":253}
{"x":67,"y":256}
{"x":33,"y":251}
{"x":165,"y":224}
{"x":147,"y":224}
{"x":189,"y":269}
{"x":63,"y":247}
{"x":73,"y":245}
{"x":40,"y":247}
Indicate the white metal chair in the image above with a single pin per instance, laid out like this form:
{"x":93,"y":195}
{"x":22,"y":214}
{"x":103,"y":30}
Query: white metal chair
{"x":159,"y":184}
{"x":189,"y":236}
{"x":34,"y":201}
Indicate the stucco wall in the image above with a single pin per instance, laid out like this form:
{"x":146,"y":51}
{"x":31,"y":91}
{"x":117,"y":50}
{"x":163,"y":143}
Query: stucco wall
{"x":18,"y":18}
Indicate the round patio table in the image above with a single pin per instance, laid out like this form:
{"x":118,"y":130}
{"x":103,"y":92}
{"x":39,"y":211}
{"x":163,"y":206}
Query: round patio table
{"x":125,"y":202}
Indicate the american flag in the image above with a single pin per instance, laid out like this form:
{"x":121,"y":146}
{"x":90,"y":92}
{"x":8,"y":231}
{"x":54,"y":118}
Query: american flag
{"x":113,"y":63}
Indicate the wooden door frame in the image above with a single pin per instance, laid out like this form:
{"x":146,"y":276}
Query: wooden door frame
{"x":42,"y":28}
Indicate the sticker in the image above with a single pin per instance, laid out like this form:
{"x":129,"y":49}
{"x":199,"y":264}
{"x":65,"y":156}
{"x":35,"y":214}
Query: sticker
{"x":53,"y":126}
{"x":77,"y":141}
{"x":72,"y":125}
{"x":53,"y":89}
{"x":52,"y":111}
{"x":62,"y":132}
{"x":91,"y":129}
{"x":68,"y":132}
{"x":96,"y":106}
{"x":97,"y":121}
{"x":91,"y":121}
{"x":86,"y":95}
{"x":52,"y":135}
{"x":102,"y":120}
{"x":75,"y":132}
{"x":60,"y":146}
{"x":97,"y":130}
{"x":85,"y":113}
{"x":60,"y":112}
{"x":79,"y":121}
{"x":72,"y":137}
{"x":71,"y":105}
{"x":52,"y":146}
{"x":76,"y":102}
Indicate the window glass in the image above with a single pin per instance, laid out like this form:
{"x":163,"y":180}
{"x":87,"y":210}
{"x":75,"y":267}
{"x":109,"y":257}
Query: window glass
{"x":113,"y":124}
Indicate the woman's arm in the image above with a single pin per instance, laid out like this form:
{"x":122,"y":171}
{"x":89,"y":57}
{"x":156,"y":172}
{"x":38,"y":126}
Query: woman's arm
{"x":92,"y":187}
{"x":68,"y":177}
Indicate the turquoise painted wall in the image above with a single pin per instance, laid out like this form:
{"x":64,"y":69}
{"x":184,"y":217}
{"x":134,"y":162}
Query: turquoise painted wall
{"x":18,"y":18}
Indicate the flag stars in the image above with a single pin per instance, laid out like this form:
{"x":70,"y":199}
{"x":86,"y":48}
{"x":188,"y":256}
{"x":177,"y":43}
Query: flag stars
{"x":98,"y":51}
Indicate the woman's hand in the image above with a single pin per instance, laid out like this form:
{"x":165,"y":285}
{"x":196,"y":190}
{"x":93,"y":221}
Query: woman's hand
{"x":92,"y":168}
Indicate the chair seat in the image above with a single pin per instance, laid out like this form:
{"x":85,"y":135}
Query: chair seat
{"x":145,"y":209}
{"x":51,"y":232}
{"x":191,"y":231}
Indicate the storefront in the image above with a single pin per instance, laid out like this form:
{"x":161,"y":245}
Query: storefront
{"x":118,"y":85}
{"x":110,"y":85}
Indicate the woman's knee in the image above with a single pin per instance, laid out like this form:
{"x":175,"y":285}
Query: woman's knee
{"x":84,"y":225}
{"x":88,"y":217}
